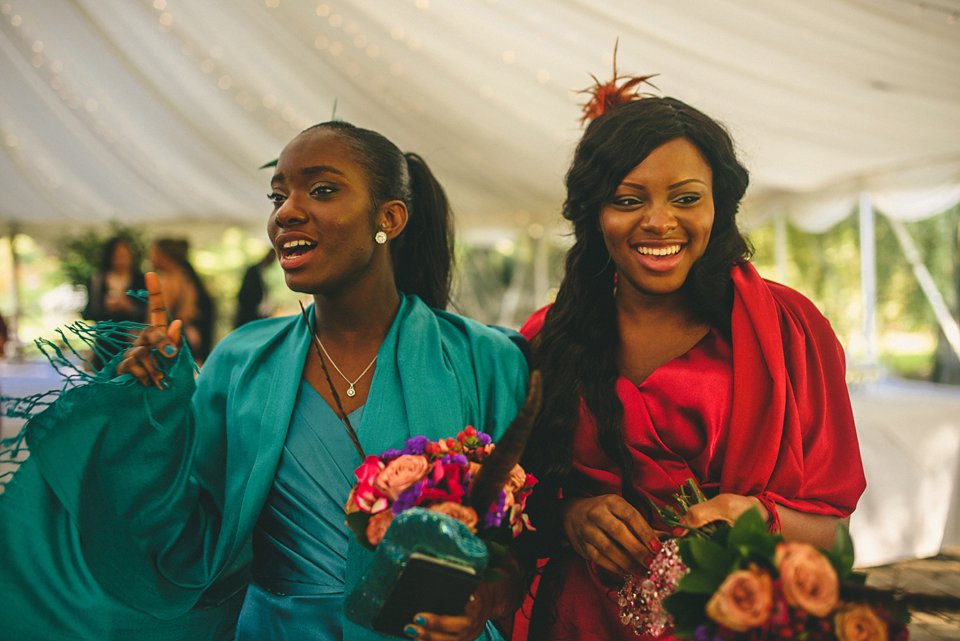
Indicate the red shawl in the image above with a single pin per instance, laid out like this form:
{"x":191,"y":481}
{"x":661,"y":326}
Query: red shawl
{"x":767,"y":413}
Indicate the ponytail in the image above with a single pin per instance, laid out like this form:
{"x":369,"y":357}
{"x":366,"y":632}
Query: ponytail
{"x":423,"y":253}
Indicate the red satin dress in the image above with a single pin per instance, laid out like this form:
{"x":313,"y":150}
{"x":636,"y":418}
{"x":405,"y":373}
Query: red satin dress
{"x":765,"y":413}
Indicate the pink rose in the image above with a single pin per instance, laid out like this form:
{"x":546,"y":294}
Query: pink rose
{"x":368,"y":470}
{"x":464,"y":514}
{"x":401,"y":473}
{"x":809,"y":580}
{"x":859,"y":622}
{"x":368,"y":499}
{"x":446,"y":483}
{"x":377,"y":526}
{"x":743,"y":601}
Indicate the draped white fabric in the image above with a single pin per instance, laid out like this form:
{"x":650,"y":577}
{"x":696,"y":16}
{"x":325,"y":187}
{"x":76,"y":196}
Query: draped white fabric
{"x":140,"y":110}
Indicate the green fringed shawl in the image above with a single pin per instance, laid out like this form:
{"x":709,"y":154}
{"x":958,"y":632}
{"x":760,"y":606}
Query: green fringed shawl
{"x":136,"y":505}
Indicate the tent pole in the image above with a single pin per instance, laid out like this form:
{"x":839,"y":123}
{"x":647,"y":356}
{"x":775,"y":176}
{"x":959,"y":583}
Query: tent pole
{"x":14,"y":326}
{"x":868,"y":277}
{"x":946,"y":320}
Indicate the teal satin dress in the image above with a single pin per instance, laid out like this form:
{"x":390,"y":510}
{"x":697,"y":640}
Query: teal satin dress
{"x":300,"y":541}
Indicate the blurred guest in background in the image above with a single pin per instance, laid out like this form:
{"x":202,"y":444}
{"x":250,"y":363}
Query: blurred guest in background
{"x":4,"y":335}
{"x":253,"y":292}
{"x":187,"y":297}
{"x":107,"y":299}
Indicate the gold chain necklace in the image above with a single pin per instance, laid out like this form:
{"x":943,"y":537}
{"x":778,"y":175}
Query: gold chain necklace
{"x":351,"y":392}
{"x":333,"y":390}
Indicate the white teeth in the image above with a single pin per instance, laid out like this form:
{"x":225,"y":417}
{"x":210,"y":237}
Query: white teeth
{"x":290,"y":244}
{"x":658,"y":251}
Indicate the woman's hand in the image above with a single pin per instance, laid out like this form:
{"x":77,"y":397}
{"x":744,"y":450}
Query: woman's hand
{"x":483,"y":605}
{"x":610,"y":532}
{"x":141,"y":359}
{"x":722,"y":507}
{"x":491,"y":600}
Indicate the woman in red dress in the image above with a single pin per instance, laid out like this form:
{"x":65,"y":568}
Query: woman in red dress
{"x":667,"y":357}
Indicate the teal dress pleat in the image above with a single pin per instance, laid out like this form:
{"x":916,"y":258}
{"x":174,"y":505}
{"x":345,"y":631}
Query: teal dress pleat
{"x":300,"y":541}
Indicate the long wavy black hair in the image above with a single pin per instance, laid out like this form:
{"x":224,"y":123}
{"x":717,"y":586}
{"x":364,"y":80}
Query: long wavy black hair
{"x":422,"y":254}
{"x":577,"y":347}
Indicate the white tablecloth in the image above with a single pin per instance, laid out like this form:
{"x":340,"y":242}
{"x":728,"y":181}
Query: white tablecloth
{"x":910,"y":442}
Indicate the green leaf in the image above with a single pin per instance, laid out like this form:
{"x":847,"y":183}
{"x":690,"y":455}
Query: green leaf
{"x":841,"y":554}
{"x":750,"y":537}
{"x":688,"y":611}
{"x":712,"y":558}
{"x":749,"y":523}
{"x":357,"y":521}
{"x":700,"y":583}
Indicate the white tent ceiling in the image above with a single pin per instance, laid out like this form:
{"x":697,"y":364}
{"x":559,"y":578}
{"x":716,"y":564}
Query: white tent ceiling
{"x":145,"y":111}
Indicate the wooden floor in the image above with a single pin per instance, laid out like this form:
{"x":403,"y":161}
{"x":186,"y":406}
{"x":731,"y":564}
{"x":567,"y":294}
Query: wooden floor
{"x":938,"y":575}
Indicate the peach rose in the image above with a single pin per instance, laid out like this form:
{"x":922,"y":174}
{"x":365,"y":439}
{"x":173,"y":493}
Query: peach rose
{"x":401,"y":473}
{"x":464,"y":514}
{"x":517,"y":478}
{"x":743,"y":601}
{"x":859,"y":622}
{"x":377,"y":526}
{"x":809,"y":580}
{"x":351,"y":506}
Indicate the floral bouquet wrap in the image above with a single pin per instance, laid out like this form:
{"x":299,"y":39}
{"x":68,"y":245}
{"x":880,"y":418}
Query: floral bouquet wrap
{"x":437,"y":514}
{"x":439,"y":476}
{"x":741,"y":582}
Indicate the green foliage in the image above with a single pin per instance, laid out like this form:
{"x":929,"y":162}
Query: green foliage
{"x":826,"y":267}
{"x":80,"y":255}
{"x":841,"y":554}
{"x":711,"y":557}
{"x":687,"y":610}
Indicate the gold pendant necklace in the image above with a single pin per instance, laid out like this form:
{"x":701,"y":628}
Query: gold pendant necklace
{"x":351,"y":392}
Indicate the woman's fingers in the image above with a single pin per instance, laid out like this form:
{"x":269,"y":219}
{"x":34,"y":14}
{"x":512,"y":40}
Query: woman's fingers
{"x":723,"y":507}
{"x":140,"y":364}
{"x":143,"y":359}
{"x":610,"y":532}
{"x":172,"y":344}
{"x":435,"y":627}
{"x":158,"y":310}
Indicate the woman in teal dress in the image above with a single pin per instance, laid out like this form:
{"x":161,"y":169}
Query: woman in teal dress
{"x":152,"y":499}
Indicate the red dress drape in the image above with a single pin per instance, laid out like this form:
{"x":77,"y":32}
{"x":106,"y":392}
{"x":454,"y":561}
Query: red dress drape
{"x":766,"y":413}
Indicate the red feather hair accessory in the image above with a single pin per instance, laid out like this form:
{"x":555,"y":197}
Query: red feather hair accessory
{"x":610,"y":94}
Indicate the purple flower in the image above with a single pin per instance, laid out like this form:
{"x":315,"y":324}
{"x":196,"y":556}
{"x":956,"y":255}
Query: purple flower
{"x":416,"y":445}
{"x":455,"y":459}
{"x":494,"y":516}
{"x":409,"y":497}
{"x":702,"y":633}
{"x":389,"y":455}
{"x":484,"y":438}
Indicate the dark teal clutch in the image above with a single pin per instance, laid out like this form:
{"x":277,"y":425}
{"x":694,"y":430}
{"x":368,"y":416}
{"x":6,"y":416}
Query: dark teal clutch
{"x":427,"y":562}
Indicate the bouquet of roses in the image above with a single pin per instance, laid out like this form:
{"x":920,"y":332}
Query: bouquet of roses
{"x":466,"y":477}
{"x":736,"y":582}
{"x":439,"y":476}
